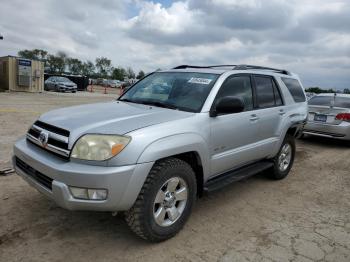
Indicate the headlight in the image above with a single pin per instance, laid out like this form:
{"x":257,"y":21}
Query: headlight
{"x":99,"y":147}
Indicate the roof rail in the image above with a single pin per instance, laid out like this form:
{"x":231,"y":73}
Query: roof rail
{"x":238,"y":67}
{"x":211,"y":66}
{"x":247,"y":67}
{"x":189,"y":66}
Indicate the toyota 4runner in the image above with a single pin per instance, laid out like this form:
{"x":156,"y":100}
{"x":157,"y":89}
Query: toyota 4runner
{"x":172,"y":136}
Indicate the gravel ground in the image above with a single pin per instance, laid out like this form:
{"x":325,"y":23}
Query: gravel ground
{"x":305,"y":217}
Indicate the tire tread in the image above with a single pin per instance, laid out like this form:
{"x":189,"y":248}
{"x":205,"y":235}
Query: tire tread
{"x":135,"y":216}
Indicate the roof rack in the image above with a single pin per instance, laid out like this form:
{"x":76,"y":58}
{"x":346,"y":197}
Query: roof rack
{"x":189,"y":66}
{"x":247,"y":67}
{"x":212,"y":66}
{"x":238,"y":67}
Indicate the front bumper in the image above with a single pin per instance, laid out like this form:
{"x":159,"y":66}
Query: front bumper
{"x":341,"y":131}
{"x":67,"y":89}
{"x":122,"y":182}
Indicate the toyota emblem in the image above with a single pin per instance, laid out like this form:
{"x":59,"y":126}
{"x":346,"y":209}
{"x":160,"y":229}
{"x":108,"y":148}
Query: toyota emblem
{"x":43,"y":138}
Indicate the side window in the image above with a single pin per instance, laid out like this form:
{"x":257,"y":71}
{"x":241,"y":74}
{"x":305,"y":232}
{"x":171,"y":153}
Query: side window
{"x":295,"y":89}
{"x":238,"y":86}
{"x":264,"y":91}
{"x":277,"y":93}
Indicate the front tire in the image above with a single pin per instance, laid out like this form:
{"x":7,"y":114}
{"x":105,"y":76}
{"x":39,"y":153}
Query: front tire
{"x":165,"y":201}
{"x":284,"y":160}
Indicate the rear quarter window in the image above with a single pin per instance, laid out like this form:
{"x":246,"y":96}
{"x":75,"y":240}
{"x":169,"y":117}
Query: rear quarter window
{"x":295,"y":89}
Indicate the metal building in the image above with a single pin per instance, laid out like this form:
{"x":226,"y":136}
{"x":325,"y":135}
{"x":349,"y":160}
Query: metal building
{"x":18,"y":74}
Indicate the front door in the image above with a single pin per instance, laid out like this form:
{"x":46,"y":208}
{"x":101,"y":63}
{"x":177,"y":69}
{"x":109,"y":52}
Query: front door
{"x":233,"y":136}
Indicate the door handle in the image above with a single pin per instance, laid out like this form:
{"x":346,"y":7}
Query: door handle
{"x":254,"y":117}
{"x":282,"y":112}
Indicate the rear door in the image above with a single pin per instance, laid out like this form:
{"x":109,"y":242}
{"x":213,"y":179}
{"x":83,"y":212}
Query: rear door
{"x":269,"y":113}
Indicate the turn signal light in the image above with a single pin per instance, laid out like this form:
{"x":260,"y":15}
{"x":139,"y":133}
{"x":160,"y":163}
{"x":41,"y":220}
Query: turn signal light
{"x":343,"y":117}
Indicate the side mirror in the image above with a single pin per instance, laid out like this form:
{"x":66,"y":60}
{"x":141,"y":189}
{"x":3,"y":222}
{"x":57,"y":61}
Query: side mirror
{"x":227,"y":105}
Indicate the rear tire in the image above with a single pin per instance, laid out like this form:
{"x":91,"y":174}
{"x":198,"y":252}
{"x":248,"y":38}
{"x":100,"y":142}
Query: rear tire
{"x":284,"y":160}
{"x":159,"y":212}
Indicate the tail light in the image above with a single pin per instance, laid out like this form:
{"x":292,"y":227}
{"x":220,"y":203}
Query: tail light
{"x":343,"y":117}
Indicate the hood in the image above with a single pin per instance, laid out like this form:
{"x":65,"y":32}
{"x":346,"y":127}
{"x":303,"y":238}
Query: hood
{"x":114,"y":117}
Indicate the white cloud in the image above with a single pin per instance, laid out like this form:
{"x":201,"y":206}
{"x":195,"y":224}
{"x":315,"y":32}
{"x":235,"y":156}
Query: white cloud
{"x":310,"y":37}
{"x":154,"y":17}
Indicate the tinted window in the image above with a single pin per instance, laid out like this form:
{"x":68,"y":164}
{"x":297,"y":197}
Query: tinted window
{"x":62,"y":79}
{"x":342,"y":102}
{"x":183,"y":90}
{"x":278,"y":97}
{"x":295,"y":89}
{"x":264,"y":91}
{"x":320,"y":101}
{"x":238,"y":86}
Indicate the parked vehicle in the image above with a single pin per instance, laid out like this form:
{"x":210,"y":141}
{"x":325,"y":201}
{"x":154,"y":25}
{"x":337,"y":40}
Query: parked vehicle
{"x":60,"y":84}
{"x":329,"y":116}
{"x":309,"y":95}
{"x":154,"y":150}
{"x":114,"y":83}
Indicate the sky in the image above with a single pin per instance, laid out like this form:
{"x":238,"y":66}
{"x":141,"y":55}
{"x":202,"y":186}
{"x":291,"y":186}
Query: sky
{"x":308,"y":37}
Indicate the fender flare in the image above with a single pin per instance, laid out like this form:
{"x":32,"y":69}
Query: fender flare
{"x":175,"y":145}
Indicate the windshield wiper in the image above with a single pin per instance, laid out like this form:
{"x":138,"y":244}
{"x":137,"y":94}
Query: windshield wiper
{"x":158,"y":104}
{"x":128,"y":100}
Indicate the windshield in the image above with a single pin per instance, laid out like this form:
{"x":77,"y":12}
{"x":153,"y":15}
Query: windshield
{"x":62,"y":79}
{"x":176,"y":90}
{"x":336,"y":101}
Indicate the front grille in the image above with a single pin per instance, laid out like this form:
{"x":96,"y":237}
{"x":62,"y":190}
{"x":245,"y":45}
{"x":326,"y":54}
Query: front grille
{"x":43,"y":180}
{"x":52,"y":128}
{"x":57,"y":138}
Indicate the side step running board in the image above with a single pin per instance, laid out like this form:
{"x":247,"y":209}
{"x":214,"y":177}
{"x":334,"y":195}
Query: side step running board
{"x":236,"y":175}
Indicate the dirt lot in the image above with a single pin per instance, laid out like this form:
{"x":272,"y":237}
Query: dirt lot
{"x":305,"y":217}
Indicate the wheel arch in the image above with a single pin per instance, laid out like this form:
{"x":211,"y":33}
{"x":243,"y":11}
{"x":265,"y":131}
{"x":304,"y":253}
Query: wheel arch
{"x":189,"y":147}
{"x":194,"y":160}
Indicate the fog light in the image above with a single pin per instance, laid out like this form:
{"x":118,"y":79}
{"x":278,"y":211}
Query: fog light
{"x":88,"y":193}
{"x":78,"y":192}
{"x":97,"y":194}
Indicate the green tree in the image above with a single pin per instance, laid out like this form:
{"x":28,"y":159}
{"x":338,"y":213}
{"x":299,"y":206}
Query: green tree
{"x":315,"y":89}
{"x":56,"y":63}
{"x":130,"y":73}
{"x":104,"y":66}
{"x":88,"y":68}
{"x":75,"y":66}
{"x":35,"y":54}
{"x":140,"y":75}
{"x":118,"y":73}
{"x":346,"y":91}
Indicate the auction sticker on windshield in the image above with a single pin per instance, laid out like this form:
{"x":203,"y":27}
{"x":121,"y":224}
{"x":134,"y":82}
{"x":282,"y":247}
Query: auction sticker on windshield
{"x":196,"y":80}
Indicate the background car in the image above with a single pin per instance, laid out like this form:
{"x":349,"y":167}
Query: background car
{"x":329,"y":116}
{"x":309,"y":95}
{"x":60,"y":84}
{"x":114,"y":83}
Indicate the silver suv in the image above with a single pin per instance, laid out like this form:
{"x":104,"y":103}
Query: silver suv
{"x":172,"y":136}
